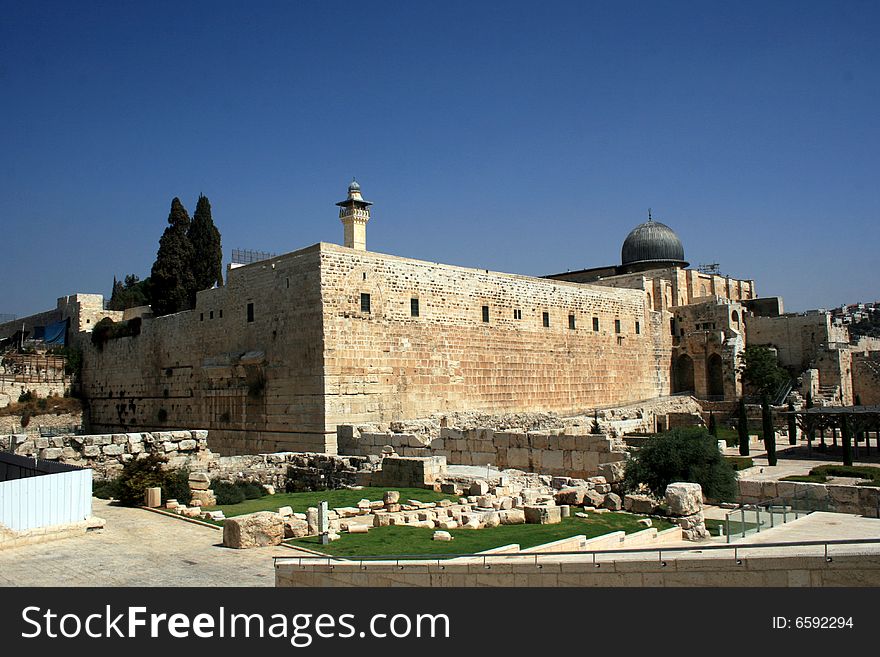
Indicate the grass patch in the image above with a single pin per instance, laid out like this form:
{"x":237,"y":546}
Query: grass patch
{"x":335,"y":499}
{"x":739,"y":462}
{"x":417,"y":540}
{"x":820,"y":474}
{"x":736,"y":527}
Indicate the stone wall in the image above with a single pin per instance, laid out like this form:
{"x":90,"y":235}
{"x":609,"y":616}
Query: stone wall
{"x":64,"y":422}
{"x":387,"y":364}
{"x":797,"y":338}
{"x":256,"y":385}
{"x":552,"y":453}
{"x":752,"y":570}
{"x":866,"y":377}
{"x":107,"y":453}
{"x":861,"y":500}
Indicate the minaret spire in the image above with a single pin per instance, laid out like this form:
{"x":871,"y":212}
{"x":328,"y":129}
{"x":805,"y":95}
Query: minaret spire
{"x":354,"y":212}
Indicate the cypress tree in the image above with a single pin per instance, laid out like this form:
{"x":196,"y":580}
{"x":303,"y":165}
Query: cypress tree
{"x":207,"y":264}
{"x":713,"y":427}
{"x":792,"y":425}
{"x":769,"y":434}
{"x":171,"y":277}
{"x":742,"y":428}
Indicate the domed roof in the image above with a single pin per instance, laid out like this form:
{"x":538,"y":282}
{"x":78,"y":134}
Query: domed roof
{"x":354,"y":187}
{"x":652,"y":242}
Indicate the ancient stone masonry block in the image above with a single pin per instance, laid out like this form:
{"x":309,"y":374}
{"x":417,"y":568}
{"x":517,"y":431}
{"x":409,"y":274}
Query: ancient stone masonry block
{"x":684,"y":498}
{"x":542,"y":515}
{"x":253,"y":530}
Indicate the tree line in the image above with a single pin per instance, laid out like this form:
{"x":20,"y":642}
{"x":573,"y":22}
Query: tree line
{"x":189,"y":259}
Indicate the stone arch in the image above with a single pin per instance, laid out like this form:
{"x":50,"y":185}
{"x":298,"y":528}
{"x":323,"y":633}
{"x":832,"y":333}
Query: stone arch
{"x":715,"y":376}
{"x":683,"y":374}
{"x":735,"y":317}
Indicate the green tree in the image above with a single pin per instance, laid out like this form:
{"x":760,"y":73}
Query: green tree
{"x":761,"y":371}
{"x":687,"y":454}
{"x":713,"y":427}
{"x":207,"y":263}
{"x":130,"y":294}
{"x":171,"y":277}
{"x":742,"y":428}
{"x":769,"y":432}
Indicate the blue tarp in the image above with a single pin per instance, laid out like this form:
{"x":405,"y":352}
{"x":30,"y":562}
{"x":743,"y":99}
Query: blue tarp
{"x":56,"y":333}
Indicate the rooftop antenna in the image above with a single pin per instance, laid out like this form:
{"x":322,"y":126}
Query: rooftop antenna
{"x":649,"y":215}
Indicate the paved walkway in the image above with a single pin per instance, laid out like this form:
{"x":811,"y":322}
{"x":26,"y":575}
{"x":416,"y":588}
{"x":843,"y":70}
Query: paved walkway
{"x":139,"y":548}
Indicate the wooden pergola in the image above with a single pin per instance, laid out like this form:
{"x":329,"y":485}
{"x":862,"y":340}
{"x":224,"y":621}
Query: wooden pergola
{"x":845,"y":421}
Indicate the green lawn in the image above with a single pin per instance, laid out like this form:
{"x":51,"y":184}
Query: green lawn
{"x":820,"y":474}
{"x":417,"y":540}
{"x":335,"y":498}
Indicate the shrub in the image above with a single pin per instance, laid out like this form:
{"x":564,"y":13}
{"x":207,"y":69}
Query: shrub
{"x":227,"y":493}
{"x":138,"y":475}
{"x":176,"y":486}
{"x":688,"y":454}
{"x":250,"y":490}
{"x":106,"y":489}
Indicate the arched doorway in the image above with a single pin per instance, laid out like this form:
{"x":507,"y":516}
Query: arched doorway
{"x":715,"y":376}
{"x":683,"y":374}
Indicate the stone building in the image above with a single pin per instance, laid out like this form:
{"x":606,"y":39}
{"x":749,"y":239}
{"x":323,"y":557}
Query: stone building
{"x":294,"y":345}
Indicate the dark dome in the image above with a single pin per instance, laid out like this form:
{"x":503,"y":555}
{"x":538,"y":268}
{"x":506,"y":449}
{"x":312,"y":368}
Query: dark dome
{"x":652,"y":242}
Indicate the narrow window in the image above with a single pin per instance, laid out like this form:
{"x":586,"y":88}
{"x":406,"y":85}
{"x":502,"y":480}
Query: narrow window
{"x":414,"y":307}
{"x":672,"y":325}
{"x":546,"y":320}
{"x":485,"y":313}
{"x":221,"y":313}
{"x":250,"y":312}
{"x":638,"y":328}
{"x":211,"y":315}
{"x":288,"y":283}
{"x":595,"y":323}
{"x":517,"y":313}
{"x":201,"y":317}
{"x":365,"y":302}
{"x":617,"y":326}
{"x":571,"y":321}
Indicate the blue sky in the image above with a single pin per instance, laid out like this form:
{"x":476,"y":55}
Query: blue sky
{"x":521,"y":137}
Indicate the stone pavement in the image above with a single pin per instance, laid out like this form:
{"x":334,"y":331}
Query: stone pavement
{"x":139,"y":548}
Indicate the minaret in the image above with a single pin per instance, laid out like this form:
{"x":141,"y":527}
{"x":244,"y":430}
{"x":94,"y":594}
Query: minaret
{"x":354,"y":212}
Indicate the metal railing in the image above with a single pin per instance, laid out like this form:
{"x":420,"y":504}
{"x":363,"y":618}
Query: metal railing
{"x":768,"y":514}
{"x":536,"y":557}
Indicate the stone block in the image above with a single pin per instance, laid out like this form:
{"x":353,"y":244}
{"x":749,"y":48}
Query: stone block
{"x":612,"y":502}
{"x":51,"y":453}
{"x":542,"y":515}
{"x":113,"y":450}
{"x":613,"y":472}
{"x":638,"y":504}
{"x":199,"y":481}
{"x":571,"y":496}
{"x":153,"y":497}
{"x":479,"y":487}
{"x":358,"y":528}
{"x":684,"y":498}
{"x":441,"y":536}
{"x":260,"y":529}
{"x":187,"y":445}
{"x":203,"y":498}
{"x":285,"y":511}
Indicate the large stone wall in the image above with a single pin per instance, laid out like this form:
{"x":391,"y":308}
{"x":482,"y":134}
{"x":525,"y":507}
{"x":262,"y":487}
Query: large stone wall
{"x":386,"y":364}
{"x":256,"y":385}
{"x":551,"y":453}
{"x":866,"y":377}
{"x":311,"y":359}
{"x":797,"y":338}
{"x":862,"y":500}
